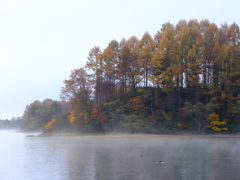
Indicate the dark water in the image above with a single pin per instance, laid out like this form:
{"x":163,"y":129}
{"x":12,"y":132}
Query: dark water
{"x":113,"y":157}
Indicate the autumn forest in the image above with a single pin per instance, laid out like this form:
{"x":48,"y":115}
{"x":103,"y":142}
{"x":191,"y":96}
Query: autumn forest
{"x":185,"y":78}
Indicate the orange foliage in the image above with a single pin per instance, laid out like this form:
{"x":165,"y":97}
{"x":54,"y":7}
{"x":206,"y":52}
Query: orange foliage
{"x":136,"y":105}
{"x":49,"y":124}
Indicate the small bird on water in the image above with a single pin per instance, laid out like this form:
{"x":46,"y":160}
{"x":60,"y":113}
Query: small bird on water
{"x":160,"y":162}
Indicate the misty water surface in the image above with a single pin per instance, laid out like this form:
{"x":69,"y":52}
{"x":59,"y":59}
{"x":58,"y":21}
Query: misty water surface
{"x":113,"y":157}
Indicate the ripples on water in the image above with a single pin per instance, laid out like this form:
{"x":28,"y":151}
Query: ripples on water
{"x":113,"y":157}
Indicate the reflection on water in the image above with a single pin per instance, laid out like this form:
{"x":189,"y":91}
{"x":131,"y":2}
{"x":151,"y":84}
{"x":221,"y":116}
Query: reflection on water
{"x":131,"y":157}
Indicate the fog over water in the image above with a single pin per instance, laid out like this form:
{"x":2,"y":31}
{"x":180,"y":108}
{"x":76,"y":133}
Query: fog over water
{"x":108,"y":157}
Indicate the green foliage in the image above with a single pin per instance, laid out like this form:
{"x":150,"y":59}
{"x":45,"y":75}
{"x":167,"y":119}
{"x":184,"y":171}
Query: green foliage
{"x":114,"y":110}
{"x":198,"y":113}
{"x":37,"y":114}
{"x":129,"y":123}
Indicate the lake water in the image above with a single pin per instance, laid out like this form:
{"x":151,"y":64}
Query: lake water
{"x":123,"y":157}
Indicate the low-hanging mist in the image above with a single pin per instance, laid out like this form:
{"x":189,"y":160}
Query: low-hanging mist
{"x":119,"y":156}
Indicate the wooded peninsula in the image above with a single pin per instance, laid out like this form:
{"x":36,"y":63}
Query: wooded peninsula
{"x":185,"y":78}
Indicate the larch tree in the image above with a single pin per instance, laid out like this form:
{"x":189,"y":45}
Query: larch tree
{"x":209,"y":40}
{"x":94,"y":64}
{"x":109,"y":70}
{"x":146,"y":49}
{"x":133,"y":72}
{"x":165,"y":56}
{"x":123,"y":68}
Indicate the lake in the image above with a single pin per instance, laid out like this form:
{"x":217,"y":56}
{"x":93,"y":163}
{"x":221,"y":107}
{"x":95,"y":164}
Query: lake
{"x":119,"y":156}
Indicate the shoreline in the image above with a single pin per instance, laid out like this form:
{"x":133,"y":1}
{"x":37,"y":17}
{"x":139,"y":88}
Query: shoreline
{"x":144,"y":135}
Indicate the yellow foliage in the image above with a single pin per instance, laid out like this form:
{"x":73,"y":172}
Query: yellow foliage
{"x":215,"y":128}
{"x":215,"y":124}
{"x":213,"y":117}
{"x":85,"y":116}
{"x":81,"y":117}
{"x":49,"y":124}
{"x":218,"y":123}
{"x":72,"y":118}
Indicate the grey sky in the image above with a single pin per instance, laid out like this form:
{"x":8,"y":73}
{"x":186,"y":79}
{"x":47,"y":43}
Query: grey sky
{"x":41,"y":41}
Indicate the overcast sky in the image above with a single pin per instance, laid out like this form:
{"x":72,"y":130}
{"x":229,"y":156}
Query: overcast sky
{"x":41,"y":41}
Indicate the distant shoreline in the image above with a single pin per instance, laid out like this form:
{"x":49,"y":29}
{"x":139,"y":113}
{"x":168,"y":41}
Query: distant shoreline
{"x":144,"y":135}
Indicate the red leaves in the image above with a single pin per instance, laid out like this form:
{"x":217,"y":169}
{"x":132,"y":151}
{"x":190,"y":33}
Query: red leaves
{"x":79,"y":81}
{"x":99,"y":116}
{"x":94,"y":113}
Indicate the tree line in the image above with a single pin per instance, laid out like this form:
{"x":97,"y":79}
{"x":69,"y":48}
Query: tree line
{"x":185,"y":77}
{"x":13,"y":123}
{"x":38,"y":114}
